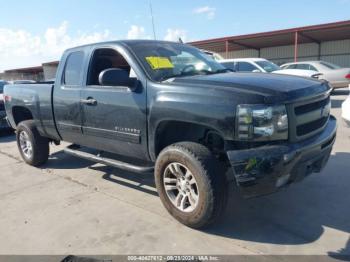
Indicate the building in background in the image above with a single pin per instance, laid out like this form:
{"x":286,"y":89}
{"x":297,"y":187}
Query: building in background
{"x":29,"y":73}
{"x":50,"y":69}
{"x":44,"y":72}
{"x":328,"y":42}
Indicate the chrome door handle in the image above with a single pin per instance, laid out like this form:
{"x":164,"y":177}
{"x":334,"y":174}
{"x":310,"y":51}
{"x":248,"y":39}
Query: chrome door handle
{"x":89,"y":101}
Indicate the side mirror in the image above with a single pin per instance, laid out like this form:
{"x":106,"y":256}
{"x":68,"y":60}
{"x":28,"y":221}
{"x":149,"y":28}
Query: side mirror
{"x":114,"y":77}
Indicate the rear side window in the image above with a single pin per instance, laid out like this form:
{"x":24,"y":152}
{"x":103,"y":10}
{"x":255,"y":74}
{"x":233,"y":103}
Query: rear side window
{"x":73,"y":69}
{"x":302,"y":66}
{"x":311,"y":67}
{"x":229,"y":65}
{"x":292,"y":66}
{"x":246,"y":67}
{"x":305,"y":67}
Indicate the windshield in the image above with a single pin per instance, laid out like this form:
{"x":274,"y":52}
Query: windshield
{"x":163,"y":60}
{"x":268,"y":66}
{"x":329,"y":65}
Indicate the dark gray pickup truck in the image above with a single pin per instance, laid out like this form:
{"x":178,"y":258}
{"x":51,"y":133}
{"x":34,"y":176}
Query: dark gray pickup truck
{"x":167,"y":107}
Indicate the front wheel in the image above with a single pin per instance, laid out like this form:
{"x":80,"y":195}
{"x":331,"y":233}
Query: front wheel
{"x":33,"y":147}
{"x":191,"y":184}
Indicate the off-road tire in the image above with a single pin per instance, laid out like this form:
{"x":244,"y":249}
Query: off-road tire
{"x":210,"y":176}
{"x":40,"y":144}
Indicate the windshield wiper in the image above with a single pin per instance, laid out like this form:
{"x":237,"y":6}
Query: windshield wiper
{"x":196,"y":72}
{"x":166,"y":77}
{"x":192,"y":73}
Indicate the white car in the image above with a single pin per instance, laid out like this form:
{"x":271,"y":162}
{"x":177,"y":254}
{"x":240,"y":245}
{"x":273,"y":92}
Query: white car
{"x":213,"y":55}
{"x":265,"y":66}
{"x":337,"y":76}
{"x":346,"y":110}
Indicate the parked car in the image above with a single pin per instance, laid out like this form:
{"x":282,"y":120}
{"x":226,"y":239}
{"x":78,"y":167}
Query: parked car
{"x":213,"y":55}
{"x":17,"y":82}
{"x":261,"y":65}
{"x":3,"y":121}
{"x":346,"y":110}
{"x":141,"y":105}
{"x":337,"y":76}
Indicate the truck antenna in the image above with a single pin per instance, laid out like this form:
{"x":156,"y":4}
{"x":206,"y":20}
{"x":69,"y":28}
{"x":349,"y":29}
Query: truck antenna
{"x":154,"y":30}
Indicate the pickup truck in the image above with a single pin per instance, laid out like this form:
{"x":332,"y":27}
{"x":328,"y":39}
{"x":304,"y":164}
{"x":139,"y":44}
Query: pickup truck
{"x":168,"y":108}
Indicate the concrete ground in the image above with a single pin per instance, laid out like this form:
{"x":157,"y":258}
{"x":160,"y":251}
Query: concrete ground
{"x":72,"y":206}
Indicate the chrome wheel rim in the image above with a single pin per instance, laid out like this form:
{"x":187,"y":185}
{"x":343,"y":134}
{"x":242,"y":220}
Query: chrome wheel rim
{"x":26,"y":145}
{"x":181,"y":187}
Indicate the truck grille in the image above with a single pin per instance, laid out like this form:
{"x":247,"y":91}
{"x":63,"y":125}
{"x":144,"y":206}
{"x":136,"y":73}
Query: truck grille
{"x":309,"y":118}
{"x":311,"y":107}
{"x":312,"y":126}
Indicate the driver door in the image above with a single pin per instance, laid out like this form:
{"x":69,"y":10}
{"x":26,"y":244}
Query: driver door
{"x":114,"y":117}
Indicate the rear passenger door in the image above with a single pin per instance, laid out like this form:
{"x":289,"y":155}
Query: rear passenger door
{"x":66,"y":97}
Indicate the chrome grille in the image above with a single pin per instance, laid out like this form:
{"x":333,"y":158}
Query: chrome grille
{"x":309,"y":117}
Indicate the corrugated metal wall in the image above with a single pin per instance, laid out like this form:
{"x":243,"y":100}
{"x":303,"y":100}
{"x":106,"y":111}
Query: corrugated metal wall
{"x":337,"y":52}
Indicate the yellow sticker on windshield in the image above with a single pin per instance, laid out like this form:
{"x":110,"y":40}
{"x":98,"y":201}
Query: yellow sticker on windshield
{"x":158,"y":62}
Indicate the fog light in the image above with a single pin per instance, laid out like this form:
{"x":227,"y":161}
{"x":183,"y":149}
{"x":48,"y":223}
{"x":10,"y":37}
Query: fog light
{"x":288,"y":157}
{"x":282,"y":180}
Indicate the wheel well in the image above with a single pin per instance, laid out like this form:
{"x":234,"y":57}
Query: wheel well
{"x":21,"y":114}
{"x":170,"y":132}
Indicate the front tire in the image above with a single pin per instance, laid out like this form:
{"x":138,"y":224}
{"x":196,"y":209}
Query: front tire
{"x":33,"y":147}
{"x":191,"y":184}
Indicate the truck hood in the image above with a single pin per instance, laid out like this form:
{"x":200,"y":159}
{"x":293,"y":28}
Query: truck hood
{"x":274,"y":87}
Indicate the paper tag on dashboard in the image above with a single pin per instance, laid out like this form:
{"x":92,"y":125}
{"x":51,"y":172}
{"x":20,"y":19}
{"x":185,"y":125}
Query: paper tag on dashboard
{"x":157,"y":62}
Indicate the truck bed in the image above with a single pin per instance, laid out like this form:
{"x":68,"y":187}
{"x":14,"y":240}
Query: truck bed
{"x":37,"y":98}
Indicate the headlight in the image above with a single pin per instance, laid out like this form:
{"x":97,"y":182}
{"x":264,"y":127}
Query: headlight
{"x":261,"y":122}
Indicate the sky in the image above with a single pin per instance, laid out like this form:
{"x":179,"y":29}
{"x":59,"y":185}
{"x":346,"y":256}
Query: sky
{"x":33,"y":32}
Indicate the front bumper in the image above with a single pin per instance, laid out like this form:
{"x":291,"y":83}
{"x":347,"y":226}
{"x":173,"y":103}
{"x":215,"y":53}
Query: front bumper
{"x":265,"y":169}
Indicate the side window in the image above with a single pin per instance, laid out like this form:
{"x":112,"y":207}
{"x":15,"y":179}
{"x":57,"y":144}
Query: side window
{"x":303,"y":66}
{"x":246,"y":67}
{"x":311,"y":67}
{"x":106,"y":58}
{"x":292,"y":66}
{"x":73,"y":69}
{"x":229,"y":65}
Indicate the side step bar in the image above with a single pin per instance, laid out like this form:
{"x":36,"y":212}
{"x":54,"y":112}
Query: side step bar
{"x":74,"y":151}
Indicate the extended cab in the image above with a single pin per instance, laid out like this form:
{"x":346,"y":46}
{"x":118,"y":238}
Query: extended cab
{"x":168,"y":107}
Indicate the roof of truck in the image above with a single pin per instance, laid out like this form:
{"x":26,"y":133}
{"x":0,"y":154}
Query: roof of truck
{"x":123,"y":42}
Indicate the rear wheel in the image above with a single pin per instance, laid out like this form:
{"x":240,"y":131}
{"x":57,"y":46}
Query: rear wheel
{"x":191,"y":184}
{"x":33,"y":147}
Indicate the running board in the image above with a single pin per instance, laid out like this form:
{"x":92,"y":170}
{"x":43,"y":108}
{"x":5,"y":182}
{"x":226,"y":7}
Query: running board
{"x":75,"y":150}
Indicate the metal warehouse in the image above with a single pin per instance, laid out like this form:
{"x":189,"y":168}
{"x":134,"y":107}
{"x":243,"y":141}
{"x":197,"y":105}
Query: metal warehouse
{"x":329,"y":42}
